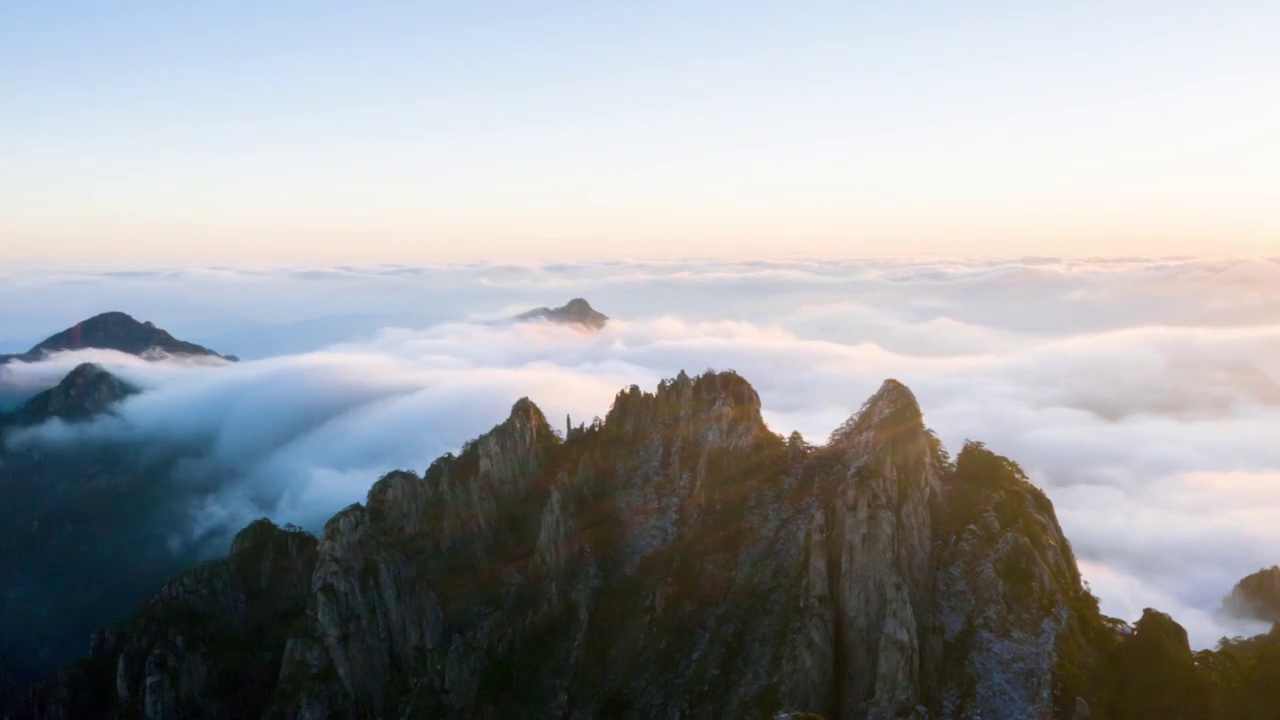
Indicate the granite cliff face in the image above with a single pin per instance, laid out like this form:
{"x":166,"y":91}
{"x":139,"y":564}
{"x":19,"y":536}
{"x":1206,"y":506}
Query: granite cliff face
{"x":675,"y":559}
{"x":208,"y":644}
{"x":1015,"y":629}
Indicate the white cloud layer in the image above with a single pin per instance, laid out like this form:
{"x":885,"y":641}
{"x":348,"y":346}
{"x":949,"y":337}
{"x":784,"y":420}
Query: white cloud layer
{"x":1142,"y":394}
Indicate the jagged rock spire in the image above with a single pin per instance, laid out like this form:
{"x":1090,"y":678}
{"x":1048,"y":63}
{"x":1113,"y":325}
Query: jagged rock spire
{"x":891,"y":413}
{"x":679,"y":558}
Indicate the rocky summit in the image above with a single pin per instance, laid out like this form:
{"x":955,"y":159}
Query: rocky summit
{"x":676,"y":559}
{"x":1256,"y":597}
{"x":114,"y":331}
{"x":85,"y":392}
{"x":575,"y":312}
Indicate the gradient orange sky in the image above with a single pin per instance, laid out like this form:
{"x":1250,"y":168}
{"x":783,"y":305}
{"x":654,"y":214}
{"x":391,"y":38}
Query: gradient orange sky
{"x":325,"y":133}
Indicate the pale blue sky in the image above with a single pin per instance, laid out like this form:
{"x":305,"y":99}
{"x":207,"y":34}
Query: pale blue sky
{"x":319,"y":132}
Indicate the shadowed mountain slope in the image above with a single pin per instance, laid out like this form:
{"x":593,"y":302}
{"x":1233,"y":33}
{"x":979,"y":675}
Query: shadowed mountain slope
{"x":85,"y":392}
{"x":674,"y":559}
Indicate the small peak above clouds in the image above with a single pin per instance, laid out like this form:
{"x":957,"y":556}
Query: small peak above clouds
{"x":85,"y":392}
{"x":575,"y":312}
{"x":115,"y":331}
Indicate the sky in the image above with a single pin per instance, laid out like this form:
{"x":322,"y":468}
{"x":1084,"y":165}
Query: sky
{"x":1141,"y":394}
{"x":152,"y":133}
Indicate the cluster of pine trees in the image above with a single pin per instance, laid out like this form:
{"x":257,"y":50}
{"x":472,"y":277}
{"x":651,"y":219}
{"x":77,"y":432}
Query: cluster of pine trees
{"x":1149,"y":672}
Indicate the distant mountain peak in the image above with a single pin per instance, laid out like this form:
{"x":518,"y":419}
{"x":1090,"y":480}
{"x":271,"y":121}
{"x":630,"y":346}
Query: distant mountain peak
{"x":115,"y":330}
{"x":575,"y":312}
{"x":85,"y":392}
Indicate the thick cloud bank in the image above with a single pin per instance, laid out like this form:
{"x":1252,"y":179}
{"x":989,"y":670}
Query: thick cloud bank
{"x":1142,"y":394}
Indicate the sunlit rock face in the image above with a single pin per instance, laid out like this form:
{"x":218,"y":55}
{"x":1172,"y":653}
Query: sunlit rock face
{"x":1010,"y":610}
{"x":881,"y":520}
{"x":675,"y":559}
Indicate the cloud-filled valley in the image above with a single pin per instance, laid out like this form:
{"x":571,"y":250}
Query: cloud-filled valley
{"x":1141,"y":394}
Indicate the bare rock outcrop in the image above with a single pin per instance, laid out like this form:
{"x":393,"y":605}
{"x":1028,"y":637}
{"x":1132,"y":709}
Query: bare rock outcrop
{"x":675,"y":559}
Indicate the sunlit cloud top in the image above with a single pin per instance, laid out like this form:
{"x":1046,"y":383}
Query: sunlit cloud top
{"x":1141,"y":394}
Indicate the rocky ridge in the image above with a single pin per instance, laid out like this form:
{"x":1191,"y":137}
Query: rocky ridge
{"x":675,"y":559}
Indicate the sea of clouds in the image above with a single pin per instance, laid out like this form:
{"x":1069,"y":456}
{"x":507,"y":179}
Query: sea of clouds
{"x":1142,"y":394}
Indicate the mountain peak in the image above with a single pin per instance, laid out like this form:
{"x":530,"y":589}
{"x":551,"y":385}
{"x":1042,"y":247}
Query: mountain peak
{"x":689,"y":528}
{"x":525,"y":411}
{"x":259,"y":533}
{"x":575,"y":312}
{"x":891,"y":412}
{"x":1256,"y":597}
{"x":263,"y":550}
{"x":84,"y":392}
{"x":115,"y":330}
{"x":526,"y":427}
{"x":83,"y":372}
{"x":891,"y":397}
